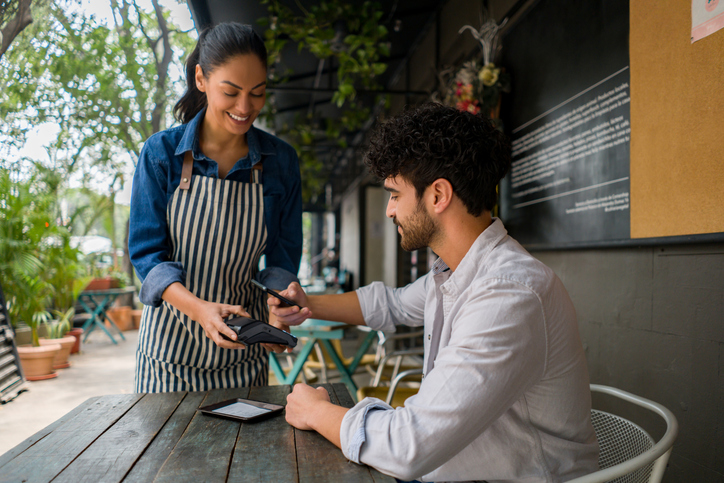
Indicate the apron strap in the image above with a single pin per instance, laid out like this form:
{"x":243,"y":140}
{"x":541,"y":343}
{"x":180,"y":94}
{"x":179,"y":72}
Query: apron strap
{"x":186,"y":171}
{"x":188,"y":168}
{"x":256,"y":167}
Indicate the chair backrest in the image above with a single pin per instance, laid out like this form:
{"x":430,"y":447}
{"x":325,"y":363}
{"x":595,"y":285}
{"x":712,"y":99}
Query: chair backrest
{"x":627,"y":453}
{"x":620,"y":440}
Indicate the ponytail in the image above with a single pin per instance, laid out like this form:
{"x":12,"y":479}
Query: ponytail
{"x":193,"y":99}
{"x":215,"y":46}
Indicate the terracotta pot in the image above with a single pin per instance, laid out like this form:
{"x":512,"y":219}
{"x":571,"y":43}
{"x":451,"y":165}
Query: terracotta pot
{"x":102,"y":284}
{"x":37,"y":362}
{"x":121,"y":316}
{"x":75,"y":332}
{"x":61,"y":358}
{"x":136,"y":318}
{"x":24,"y":336}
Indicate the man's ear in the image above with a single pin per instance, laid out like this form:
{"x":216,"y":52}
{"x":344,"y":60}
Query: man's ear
{"x":200,"y":79}
{"x":441,"y":194}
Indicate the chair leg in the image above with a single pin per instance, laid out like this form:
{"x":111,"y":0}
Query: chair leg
{"x":396,"y":370}
{"x":322,"y":362}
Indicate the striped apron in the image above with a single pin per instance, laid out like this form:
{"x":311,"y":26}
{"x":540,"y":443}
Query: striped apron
{"x":217,"y":232}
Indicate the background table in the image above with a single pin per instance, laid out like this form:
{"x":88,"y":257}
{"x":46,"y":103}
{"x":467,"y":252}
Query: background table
{"x":95,"y":303}
{"x":162,"y":438}
{"x":322,"y":331}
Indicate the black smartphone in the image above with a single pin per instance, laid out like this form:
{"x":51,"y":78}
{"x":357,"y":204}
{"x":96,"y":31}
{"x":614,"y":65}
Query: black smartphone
{"x":275,"y":294}
{"x":242,"y":409}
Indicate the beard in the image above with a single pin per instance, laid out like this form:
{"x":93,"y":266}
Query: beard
{"x":418,"y":231}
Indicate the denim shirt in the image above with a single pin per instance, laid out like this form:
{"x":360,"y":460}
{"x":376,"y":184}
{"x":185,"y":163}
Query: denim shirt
{"x":157,"y":176}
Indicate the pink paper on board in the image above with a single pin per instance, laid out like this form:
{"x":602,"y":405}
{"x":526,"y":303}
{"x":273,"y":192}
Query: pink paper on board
{"x":707,"y":16}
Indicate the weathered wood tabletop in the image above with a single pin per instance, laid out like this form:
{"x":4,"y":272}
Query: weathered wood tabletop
{"x":161,"y":437}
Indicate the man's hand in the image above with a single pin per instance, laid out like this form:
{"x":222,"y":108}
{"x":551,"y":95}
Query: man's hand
{"x":211,"y":317}
{"x":290,"y":315}
{"x":304,"y":404}
{"x":282,"y":317}
{"x":309,"y":408}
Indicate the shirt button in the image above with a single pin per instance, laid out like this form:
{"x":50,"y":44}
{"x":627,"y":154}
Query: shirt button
{"x":428,"y":336}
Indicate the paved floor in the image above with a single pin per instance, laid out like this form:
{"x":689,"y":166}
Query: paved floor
{"x":101,"y":368}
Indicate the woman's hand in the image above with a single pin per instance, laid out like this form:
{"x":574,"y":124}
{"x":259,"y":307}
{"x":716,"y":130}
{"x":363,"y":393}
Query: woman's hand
{"x":278,"y":348}
{"x":211,"y":317}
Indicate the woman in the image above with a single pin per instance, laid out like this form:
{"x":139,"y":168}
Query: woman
{"x":209,"y":198}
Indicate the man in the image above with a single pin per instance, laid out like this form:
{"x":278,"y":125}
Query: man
{"x":505,"y":393}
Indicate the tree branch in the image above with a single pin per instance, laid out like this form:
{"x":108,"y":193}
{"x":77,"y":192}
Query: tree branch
{"x":151,"y":43}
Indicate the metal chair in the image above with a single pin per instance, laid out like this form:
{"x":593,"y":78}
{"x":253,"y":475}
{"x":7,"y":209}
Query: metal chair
{"x":627,"y":453}
{"x":395,"y":395}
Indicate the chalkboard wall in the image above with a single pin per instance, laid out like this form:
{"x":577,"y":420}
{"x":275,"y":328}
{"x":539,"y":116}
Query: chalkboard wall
{"x":569,"y":123}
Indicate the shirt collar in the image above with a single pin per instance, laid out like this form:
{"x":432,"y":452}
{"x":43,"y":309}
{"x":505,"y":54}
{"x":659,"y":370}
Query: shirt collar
{"x":439,"y":266}
{"x":476,"y":255}
{"x":190,"y":139}
{"x":258,"y":145}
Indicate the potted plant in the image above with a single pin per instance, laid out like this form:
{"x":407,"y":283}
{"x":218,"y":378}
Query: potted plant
{"x":24,"y":209}
{"x":58,"y":334}
{"x":120,"y":314}
{"x":28,"y":305}
{"x":64,"y":272}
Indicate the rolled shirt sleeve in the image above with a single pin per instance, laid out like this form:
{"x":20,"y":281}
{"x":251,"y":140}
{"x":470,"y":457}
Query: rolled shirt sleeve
{"x":383,"y":307}
{"x":353,"y":429}
{"x":158,"y":280}
{"x":497,"y":351}
{"x":148,"y":242}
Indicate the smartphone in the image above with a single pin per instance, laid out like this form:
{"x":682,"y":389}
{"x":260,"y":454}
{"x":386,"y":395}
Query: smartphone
{"x":275,"y":294}
{"x":242,"y":409}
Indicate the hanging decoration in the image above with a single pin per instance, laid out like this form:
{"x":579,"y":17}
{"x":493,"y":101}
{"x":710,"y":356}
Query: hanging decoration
{"x":477,"y":85}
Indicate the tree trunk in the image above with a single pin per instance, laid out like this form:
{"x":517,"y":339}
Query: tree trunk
{"x":17,"y":24}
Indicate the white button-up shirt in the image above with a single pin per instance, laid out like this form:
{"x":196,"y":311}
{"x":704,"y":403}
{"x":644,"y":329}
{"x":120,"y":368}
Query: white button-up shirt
{"x":505,"y":395}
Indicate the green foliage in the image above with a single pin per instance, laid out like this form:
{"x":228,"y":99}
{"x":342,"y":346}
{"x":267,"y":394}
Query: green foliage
{"x":25,"y":226}
{"x":121,"y":276}
{"x":57,"y":328}
{"x":99,"y":83}
{"x":351,"y":34}
{"x":105,"y":86}
{"x":352,"y":37}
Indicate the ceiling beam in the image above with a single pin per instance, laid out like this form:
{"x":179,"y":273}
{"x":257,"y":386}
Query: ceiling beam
{"x":200,"y":13}
{"x":359,"y":91}
{"x":327,"y":70}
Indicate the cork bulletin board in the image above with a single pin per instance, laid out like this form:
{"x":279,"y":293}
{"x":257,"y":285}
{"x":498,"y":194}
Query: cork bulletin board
{"x":616,"y":121}
{"x":677,"y":123}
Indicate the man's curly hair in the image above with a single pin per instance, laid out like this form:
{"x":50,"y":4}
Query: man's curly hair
{"x":434,"y":141}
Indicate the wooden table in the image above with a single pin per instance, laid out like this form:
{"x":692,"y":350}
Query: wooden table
{"x":162,"y":438}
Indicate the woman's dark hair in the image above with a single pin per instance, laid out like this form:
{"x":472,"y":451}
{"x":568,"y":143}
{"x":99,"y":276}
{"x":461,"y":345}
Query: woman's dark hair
{"x":435,"y":141}
{"x":216,"y":45}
